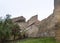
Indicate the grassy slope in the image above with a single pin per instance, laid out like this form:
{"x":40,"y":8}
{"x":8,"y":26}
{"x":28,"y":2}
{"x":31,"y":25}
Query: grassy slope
{"x":38,"y":40}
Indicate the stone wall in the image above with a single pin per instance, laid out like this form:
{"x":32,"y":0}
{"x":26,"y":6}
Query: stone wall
{"x":57,"y":16}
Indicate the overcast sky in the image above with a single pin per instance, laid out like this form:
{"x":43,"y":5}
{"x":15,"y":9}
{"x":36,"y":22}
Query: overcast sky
{"x":27,"y":8}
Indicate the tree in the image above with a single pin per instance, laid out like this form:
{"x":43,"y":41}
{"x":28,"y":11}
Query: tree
{"x":16,"y":30}
{"x":5,"y":29}
{"x":8,"y":28}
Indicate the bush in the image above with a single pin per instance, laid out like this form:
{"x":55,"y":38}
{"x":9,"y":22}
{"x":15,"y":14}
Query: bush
{"x":8,"y":29}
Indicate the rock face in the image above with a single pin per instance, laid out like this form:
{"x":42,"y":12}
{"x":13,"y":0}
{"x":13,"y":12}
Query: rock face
{"x":31,"y":26}
{"x":57,"y":16}
{"x":21,"y":21}
{"x":49,"y":27}
{"x":56,"y":4}
{"x":32,"y":19}
{"x":32,"y":29}
{"x":57,"y":9}
{"x":46,"y":28}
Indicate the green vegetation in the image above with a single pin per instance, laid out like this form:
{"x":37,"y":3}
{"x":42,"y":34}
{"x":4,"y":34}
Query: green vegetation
{"x":8,"y":29}
{"x":38,"y":40}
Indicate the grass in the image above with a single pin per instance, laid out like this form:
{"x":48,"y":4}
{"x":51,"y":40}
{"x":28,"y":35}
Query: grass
{"x":38,"y":40}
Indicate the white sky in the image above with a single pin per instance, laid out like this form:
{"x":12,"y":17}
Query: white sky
{"x":26,"y":8}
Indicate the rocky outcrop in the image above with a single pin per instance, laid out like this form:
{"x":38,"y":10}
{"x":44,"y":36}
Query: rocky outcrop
{"x":46,"y":27}
{"x":21,"y":21}
{"x":57,"y":15}
{"x":32,"y":28}
{"x":49,"y":27}
{"x":32,"y":20}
